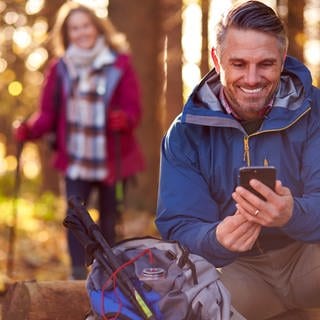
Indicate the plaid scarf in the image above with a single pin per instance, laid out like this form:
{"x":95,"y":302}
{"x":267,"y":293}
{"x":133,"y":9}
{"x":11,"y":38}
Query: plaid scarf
{"x":86,"y":115}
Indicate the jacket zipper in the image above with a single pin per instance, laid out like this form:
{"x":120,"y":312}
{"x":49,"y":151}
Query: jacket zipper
{"x":246,"y":157}
{"x":246,"y":146}
{"x":246,"y":154}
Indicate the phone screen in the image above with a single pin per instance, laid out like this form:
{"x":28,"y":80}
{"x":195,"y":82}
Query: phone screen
{"x":266,"y":175}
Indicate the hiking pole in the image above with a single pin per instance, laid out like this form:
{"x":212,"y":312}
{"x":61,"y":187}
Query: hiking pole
{"x":92,"y":249}
{"x":13,"y":226}
{"x":119,"y":188}
{"x":114,"y":263}
{"x":73,"y":223}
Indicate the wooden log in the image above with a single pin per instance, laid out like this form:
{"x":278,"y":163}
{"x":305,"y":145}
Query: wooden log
{"x":312,"y":314}
{"x":47,"y":300}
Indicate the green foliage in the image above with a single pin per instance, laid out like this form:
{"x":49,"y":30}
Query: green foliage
{"x":9,"y":186}
{"x":48,"y":207}
{"x":6,"y":185}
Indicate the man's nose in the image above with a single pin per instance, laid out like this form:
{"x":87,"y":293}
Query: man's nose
{"x":252,"y":75}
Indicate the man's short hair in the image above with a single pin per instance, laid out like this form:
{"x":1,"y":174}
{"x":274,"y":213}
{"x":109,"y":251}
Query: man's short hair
{"x":252,"y":15}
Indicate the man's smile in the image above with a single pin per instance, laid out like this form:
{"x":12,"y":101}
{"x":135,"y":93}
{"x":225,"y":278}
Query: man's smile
{"x":251,"y":91}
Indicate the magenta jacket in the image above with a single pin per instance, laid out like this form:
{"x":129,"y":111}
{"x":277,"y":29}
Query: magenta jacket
{"x":123,"y":93}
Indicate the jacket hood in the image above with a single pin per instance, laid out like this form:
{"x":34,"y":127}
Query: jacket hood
{"x":294,"y":94}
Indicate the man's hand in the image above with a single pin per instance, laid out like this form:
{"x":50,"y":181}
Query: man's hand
{"x":236,"y":233}
{"x":276,"y":211}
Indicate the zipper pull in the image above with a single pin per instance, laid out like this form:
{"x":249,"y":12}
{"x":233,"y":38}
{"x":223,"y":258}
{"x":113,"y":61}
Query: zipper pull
{"x":246,"y":155}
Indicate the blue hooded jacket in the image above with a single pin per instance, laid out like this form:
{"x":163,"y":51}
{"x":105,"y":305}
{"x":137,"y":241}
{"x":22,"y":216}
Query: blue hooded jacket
{"x":205,"y":147}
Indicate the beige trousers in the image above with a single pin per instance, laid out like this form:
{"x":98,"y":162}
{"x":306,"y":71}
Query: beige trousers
{"x":275,"y":283}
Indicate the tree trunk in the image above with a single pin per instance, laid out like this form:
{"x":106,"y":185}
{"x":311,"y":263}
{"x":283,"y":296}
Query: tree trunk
{"x":170,"y":62}
{"x":204,"y":65}
{"x":48,"y":300}
{"x":146,"y":24}
{"x":296,"y":28}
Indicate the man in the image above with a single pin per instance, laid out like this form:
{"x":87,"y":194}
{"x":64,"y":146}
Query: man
{"x":257,"y":107}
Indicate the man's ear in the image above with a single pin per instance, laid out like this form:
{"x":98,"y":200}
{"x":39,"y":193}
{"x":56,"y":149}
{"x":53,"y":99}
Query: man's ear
{"x":215,"y":60}
{"x":284,"y":59}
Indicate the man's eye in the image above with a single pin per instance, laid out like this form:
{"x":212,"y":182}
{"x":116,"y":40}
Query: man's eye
{"x":237,"y":65}
{"x":267,"y":64}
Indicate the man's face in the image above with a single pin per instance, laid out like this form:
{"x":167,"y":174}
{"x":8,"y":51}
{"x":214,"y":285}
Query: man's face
{"x":249,"y":65}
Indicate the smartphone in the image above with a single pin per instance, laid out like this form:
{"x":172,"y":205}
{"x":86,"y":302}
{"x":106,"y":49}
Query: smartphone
{"x":267,"y":175}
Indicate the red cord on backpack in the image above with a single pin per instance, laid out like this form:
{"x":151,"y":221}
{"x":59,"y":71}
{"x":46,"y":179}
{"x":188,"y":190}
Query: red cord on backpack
{"x":113,"y":278}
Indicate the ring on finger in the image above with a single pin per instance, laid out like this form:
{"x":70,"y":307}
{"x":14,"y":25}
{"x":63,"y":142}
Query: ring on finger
{"x":256,"y":212}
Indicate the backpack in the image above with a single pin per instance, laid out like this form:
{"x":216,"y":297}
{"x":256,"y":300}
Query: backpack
{"x":176,"y":284}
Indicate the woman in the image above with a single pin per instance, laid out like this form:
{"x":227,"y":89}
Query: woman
{"x":90,"y":100}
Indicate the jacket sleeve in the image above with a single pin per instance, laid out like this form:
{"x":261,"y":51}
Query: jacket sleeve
{"x":43,"y":120}
{"x":305,"y":222}
{"x":186,"y":210}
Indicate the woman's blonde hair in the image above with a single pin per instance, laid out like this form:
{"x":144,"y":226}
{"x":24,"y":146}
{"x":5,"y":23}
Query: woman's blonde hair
{"x":59,"y":35}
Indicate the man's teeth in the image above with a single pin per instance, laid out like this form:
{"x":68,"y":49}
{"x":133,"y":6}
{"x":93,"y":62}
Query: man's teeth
{"x":251,"y":90}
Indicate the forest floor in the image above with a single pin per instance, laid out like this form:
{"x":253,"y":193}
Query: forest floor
{"x":40,"y":250}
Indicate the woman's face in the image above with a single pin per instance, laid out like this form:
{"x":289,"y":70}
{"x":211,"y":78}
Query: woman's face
{"x":81,"y":30}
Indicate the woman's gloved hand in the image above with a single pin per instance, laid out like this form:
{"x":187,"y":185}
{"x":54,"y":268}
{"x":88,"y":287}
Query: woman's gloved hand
{"x":20,"y":132}
{"x":118,"y":120}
